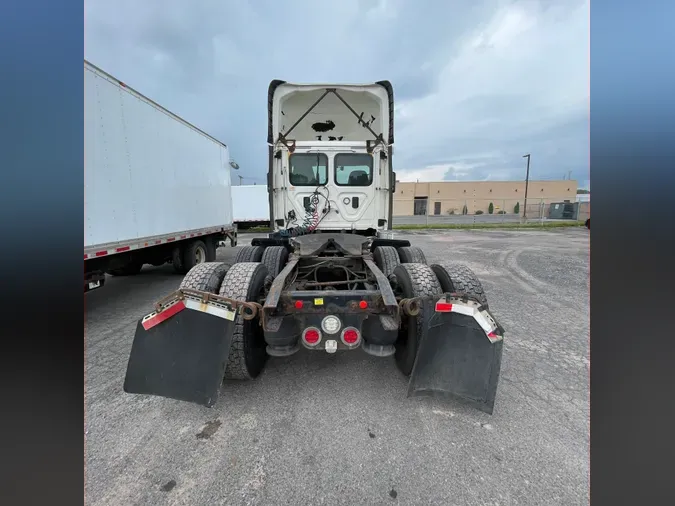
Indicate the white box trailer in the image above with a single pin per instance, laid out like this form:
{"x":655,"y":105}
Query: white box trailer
{"x":157,"y":189}
{"x":250,"y":204}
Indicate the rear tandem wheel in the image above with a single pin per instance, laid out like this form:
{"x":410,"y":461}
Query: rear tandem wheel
{"x":249,"y":254}
{"x":248,"y":353}
{"x":458,"y":278}
{"x":205,"y":277}
{"x":414,"y":280}
{"x":411,"y":255}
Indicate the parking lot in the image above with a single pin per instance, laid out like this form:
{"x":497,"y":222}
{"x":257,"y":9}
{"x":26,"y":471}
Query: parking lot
{"x":338,"y":429}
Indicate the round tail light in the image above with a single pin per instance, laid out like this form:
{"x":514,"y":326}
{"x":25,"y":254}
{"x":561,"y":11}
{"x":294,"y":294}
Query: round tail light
{"x":311,"y":336}
{"x":350,"y":336}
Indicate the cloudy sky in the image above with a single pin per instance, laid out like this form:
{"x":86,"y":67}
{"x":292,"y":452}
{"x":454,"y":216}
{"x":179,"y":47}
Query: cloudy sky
{"x":477,"y":83}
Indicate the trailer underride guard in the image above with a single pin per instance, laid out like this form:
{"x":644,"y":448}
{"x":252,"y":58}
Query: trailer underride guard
{"x":323,"y":289}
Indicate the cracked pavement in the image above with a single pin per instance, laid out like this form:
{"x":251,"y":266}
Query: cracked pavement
{"x":338,"y":429}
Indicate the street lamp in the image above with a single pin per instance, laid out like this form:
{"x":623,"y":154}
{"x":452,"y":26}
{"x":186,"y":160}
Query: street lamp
{"x":527,"y":180}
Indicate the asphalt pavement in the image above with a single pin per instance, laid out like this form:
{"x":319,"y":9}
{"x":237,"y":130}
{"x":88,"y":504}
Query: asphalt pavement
{"x":338,"y":429}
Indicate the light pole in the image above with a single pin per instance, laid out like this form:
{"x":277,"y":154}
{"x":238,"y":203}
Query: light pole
{"x":527,"y":180}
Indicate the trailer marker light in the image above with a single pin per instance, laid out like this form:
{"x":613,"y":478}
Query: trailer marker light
{"x":443,"y":307}
{"x":318,"y":302}
{"x":311,"y":336}
{"x":298,"y":304}
{"x":363,"y":304}
{"x":350,"y":336}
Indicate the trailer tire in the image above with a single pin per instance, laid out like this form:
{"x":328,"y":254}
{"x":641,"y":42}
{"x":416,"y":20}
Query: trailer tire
{"x":131,"y":269}
{"x":411,"y":255}
{"x":177,"y":260}
{"x":211,"y":247}
{"x":194,"y":254}
{"x":248,"y":353}
{"x":206,"y":277}
{"x":249,"y":254}
{"x":386,"y":259}
{"x":274,"y":258}
{"x":414,"y":280}
{"x":458,"y":278}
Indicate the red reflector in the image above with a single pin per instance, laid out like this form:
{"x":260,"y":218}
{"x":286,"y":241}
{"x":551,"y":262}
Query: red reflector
{"x":443,"y":307}
{"x":164,"y":315}
{"x":101,"y":253}
{"x":312,"y":336}
{"x":298,"y":305}
{"x":350,"y":336}
{"x":492,"y":335}
{"x":363,"y":304}
{"x":123,"y":248}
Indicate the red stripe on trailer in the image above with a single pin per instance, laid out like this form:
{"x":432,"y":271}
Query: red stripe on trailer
{"x":158,"y":242}
{"x":183,"y":236}
{"x":164,"y":315}
{"x":123,"y":248}
{"x":171,"y":239}
{"x":101,"y":253}
{"x":85,"y":256}
{"x":192,"y":235}
{"x":199,"y":233}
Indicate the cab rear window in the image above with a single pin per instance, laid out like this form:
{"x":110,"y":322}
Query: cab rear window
{"x":353,"y":169}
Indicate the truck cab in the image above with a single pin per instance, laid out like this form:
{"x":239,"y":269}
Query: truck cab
{"x":330,"y":150}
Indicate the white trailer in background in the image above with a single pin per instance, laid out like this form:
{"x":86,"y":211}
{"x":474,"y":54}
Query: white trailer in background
{"x":156,"y":188}
{"x":250,"y":204}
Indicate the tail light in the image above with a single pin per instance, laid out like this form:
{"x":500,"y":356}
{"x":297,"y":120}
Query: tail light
{"x":311,"y":336}
{"x":350,"y":336}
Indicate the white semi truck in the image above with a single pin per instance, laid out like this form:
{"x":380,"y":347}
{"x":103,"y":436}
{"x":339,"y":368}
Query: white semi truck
{"x":329,"y":277}
{"x":156,"y":188}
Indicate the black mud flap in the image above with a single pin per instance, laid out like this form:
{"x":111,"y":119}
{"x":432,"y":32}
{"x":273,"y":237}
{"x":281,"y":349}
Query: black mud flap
{"x":181,"y":355}
{"x":458,"y":360}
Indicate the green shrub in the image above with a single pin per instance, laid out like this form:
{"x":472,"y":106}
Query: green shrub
{"x":501,"y":212}
{"x":479,"y":212}
{"x":516,"y":208}
{"x":451,"y":211}
{"x":491,"y":208}
{"x":465,"y":210}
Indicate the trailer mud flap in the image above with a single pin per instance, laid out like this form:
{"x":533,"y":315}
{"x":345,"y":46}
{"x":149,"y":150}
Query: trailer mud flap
{"x":460,"y":356}
{"x":181,"y":352}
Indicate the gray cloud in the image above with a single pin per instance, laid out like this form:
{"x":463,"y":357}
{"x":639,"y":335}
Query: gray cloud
{"x":477,"y":83}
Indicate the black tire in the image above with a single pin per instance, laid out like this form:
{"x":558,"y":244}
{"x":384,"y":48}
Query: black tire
{"x":131,"y":269}
{"x":411,"y":255}
{"x":194,"y":254}
{"x":249,"y":254}
{"x":248,"y":353}
{"x":458,"y":278}
{"x":206,"y":277}
{"x":274,"y":258}
{"x":386,"y":259}
{"x":177,"y":260}
{"x":211,"y":247}
{"x":414,"y":280}
{"x":588,"y":223}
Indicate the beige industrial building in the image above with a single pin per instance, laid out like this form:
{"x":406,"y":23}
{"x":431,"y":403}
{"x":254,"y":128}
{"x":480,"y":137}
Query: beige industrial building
{"x":475,"y":197}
